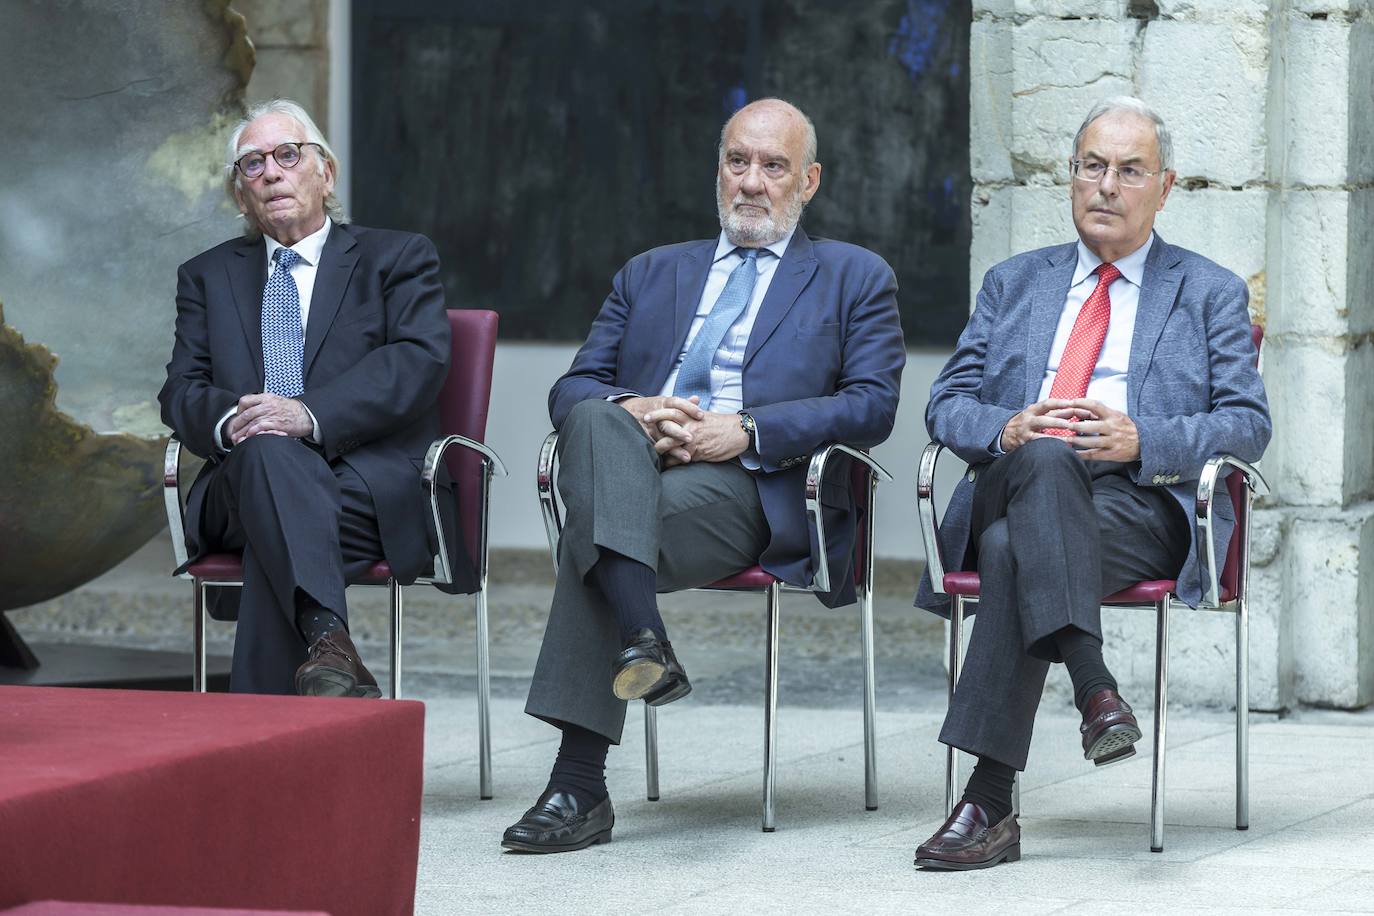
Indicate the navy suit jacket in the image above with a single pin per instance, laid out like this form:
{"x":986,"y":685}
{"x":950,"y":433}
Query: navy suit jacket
{"x":823,"y":364}
{"x":1191,"y":387}
{"x":376,"y":356}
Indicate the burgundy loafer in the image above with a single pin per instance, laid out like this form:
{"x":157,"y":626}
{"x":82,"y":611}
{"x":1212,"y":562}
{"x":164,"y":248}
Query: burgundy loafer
{"x":1109,"y":729}
{"x":965,"y":841}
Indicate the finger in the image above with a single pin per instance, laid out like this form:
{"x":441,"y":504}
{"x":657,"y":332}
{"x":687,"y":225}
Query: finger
{"x":252,"y":400}
{"x":670,"y":428}
{"x":682,"y":455}
{"x":1070,"y":413}
{"x":687,"y":405}
{"x":1093,"y":428}
{"x":1041,"y":407}
{"x":665,"y":445}
{"x":665,"y":414}
{"x":1097,"y":407}
{"x":1041,"y":423}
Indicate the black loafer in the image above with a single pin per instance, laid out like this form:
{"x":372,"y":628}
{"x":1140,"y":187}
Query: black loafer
{"x":648,"y":668}
{"x":557,"y":823}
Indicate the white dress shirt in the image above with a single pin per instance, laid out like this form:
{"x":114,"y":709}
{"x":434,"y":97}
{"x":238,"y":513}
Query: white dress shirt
{"x":1108,"y":382}
{"x":303,"y":272}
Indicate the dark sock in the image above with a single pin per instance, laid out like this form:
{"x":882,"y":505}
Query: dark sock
{"x":990,"y":786}
{"x":314,"y":621}
{"x":580,"y":768}
{"x":1082,"y":653}
{"x":629,"y":586}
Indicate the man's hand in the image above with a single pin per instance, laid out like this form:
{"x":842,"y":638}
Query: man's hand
{"x":1105,"y":434}
{"x":715,"y":437}
{"x":269,"y":414}
{"x":650,"y":412}
{"x":1031,"y":423}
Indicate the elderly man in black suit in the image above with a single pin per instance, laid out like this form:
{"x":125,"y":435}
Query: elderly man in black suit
{"x":308,"y":358}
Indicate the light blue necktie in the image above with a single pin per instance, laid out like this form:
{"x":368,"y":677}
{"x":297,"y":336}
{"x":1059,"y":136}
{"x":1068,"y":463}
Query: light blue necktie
{"x":694,"y":375}
{"x":283,"y":339}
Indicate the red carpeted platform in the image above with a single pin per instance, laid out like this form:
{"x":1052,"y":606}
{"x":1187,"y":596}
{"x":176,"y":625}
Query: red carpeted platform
{"x":210,"y":800}
{"x":67,"y":908}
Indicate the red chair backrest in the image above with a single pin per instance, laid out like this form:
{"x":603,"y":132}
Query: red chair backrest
{"x":1235,"y":485}
{"x":463,"y":405}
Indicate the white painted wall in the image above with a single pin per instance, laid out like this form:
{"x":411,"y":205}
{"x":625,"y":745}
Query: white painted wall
{"x":520,"y":420}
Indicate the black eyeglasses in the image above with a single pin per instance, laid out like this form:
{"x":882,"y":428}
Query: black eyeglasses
{"x":288,"y":156}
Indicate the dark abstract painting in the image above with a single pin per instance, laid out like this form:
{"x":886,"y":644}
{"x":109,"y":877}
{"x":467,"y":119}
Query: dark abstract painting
{"x":541,"y":143}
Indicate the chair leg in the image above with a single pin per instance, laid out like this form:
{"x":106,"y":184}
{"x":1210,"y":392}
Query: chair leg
{"x":1016,"y":794}
{"x":1242,"y":716}
{"x":397,"y":610}
{"x":956,"y":627}
{"x":1161,"y":712}
{"x":770,"y":709}
{"x":870,"y":704}
{"x":198,"y":673}
{"x":651,"y":752}
{"x":483,"y":699}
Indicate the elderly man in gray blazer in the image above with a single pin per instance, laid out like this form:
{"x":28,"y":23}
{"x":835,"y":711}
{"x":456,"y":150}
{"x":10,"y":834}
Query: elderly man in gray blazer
{"x":1092,"y":382}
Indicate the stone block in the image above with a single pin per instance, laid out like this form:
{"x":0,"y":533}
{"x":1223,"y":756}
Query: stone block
{"x":301,"y":75}
{"x":1059,"y":70}
{"x":1358,"y":451}
{"x":1007,"y":221}
{"x":990,"y":88}
{"x":1226,"y":226}
{"x":1218,"y":134}
{"x":1322,"y":116}
{"x":1214,"y":10}
{"x":285,"y":23}
{"x":1306,"y":378}
{"x":1327,"y":7}
{"x":1330,"y":555}
{"x":1312,"y":263}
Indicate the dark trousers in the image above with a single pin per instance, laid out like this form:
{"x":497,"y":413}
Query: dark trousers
{"x":692,"y":524}
{"x":304,"y":526}
{"x":1052,"y":534}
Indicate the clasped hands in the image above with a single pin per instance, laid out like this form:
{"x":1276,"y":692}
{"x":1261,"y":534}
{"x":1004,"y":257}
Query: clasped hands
{"x":1104,"y":434}
{"x":268,"y":414}
{"x":682,"y":432}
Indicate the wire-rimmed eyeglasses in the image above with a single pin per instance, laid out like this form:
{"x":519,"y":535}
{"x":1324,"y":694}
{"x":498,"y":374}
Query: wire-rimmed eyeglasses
{"x":288,"y":156}
{"x":1090,"y":170}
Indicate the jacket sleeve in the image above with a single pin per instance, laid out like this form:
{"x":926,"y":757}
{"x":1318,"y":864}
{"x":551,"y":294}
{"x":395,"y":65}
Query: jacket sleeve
{"x":863,"y":407}
{"x":192,"y":405}
{"x":593,"y":370}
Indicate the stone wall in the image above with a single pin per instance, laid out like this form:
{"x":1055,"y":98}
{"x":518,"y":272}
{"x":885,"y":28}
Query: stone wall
{"x":290,"y":38}
{"x":1271,"y":105}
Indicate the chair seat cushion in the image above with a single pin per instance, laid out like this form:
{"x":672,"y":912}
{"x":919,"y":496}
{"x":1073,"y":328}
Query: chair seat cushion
{"x":966,"y":584}
{"x":228,"y":567}
{"x":752,"y":579}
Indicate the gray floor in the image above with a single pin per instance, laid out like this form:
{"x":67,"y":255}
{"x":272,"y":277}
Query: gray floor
{"x":1085,"y":845}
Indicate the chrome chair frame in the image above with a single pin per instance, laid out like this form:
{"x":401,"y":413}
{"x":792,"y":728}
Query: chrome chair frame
{"x":546,"y":480}
{"x":1255,"y":485}
{"x":443,"y":575}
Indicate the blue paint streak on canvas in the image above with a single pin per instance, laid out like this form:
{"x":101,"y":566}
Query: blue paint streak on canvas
{"x":735,"y":98}
{"x":918,"y":37}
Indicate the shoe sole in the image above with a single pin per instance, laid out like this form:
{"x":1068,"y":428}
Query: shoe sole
{"x":1011,"y":854}
{"x":327,"y":682}
{"x":596,"y":839}
{"x":1114,"y":745}
{"x":677,"y":693}
{"x":637,"y":678}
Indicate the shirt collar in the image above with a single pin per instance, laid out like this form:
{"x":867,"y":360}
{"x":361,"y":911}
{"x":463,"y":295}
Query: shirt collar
{"x":309,"y":248}
{"x":1132,"y":266}
{"x":725,"y":246}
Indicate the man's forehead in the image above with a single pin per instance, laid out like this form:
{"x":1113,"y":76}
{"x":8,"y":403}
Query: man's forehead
{"x":269,"y":130}
{"x":1122,"y":133}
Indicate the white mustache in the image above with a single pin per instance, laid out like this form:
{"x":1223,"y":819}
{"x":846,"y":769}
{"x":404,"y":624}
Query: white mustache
{"x":760,"y":202}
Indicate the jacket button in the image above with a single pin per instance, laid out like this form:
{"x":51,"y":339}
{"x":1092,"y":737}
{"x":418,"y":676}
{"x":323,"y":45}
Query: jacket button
{"x":971,"y":475}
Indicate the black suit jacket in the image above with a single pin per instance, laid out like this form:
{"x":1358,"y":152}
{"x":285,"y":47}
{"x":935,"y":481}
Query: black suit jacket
{"x":376,"y":356}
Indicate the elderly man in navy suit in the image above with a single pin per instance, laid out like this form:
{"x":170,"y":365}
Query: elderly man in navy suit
{"x":712,"y":371}
{"x":308,"y":358}
{"x":1090,"y":386}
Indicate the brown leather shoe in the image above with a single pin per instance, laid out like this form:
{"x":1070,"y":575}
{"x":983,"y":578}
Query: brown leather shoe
{"x":334,"y":670}
{"x":965,"y":841}
{"x":1109,"y":729}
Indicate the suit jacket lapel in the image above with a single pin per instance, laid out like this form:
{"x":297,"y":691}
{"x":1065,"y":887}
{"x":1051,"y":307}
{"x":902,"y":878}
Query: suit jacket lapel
{"x":1158,"y":292}
{"x":1047,"y":304}
{"x":797,"y":267}
{"x":331,"y":280}
{"x":247,"y":276}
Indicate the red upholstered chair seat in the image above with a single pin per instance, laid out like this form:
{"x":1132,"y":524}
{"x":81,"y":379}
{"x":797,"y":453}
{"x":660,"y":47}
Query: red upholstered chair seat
{"x":967,"y":585}
{"x":228,"y":567}
{"x":751,"y":579}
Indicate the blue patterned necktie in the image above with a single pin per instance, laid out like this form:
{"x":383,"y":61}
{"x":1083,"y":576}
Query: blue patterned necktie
{"x":283,"y":339}
{"x":694,"y":375}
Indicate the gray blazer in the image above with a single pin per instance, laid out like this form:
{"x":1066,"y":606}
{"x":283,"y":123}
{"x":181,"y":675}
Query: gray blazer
{"x":1191,"y":387}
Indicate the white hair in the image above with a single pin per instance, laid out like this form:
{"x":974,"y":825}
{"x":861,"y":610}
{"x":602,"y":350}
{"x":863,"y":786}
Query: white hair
{"x":313,"y":134}
{"x":1127,"y":103}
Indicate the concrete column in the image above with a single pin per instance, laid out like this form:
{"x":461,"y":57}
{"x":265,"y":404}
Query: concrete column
{"x":1270,"y":106}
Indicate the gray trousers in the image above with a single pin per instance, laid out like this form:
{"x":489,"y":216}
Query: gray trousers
{"x":1053,"y":534}
{"x":692,"y":524}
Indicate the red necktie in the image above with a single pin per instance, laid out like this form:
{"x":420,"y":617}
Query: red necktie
{"x":1085,"y":344}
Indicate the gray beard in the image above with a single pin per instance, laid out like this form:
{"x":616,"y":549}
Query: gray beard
{"x":757,"y":232}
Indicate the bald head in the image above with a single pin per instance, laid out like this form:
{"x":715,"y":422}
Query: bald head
{"x":767,"y":172}
{"x":782,"y":117}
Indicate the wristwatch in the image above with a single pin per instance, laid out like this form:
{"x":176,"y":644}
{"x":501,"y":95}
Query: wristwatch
{"x":746,"y":423}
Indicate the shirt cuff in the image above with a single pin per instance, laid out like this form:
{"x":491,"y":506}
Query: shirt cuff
{"x":219,"y":428}
{"x":314,"y":427}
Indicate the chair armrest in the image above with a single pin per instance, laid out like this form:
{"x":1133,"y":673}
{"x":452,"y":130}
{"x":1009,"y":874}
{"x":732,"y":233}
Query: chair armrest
{"x":1206,"y":488}
{"x":548,"y":499}
{"x":925,"y":508}
{"x":815,"y":473}
{"x":491,"y":465}
{"x":171,"y":498}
